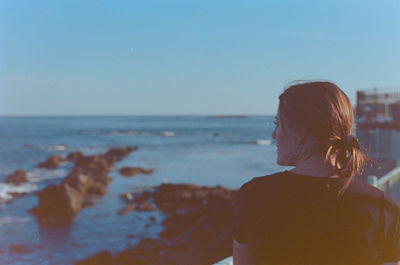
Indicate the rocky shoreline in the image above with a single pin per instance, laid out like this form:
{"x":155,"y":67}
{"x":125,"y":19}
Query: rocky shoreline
{"x":58,"y":204}
{"x":197,"y":229}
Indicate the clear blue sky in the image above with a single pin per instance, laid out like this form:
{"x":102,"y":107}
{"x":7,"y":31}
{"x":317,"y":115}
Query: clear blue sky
{"x":188,"y":57}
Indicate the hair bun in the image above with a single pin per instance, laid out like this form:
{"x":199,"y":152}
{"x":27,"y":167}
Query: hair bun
{"x":349,"y":141}
{"x":346,"y":142}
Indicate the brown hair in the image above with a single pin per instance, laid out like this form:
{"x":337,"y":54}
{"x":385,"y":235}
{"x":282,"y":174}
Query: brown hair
{"x":324,"y":110}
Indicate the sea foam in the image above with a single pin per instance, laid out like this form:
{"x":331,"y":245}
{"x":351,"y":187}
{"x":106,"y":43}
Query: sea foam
{"x":38,"y":174}
{"x":263,"y":142}
{"x":56,"y":147}
{"x":168,"y":133}
{"x":7,"y":190}
{"x":10,"y":220}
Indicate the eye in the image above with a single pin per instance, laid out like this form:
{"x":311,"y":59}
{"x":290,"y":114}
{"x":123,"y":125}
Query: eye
{"x":276,"y":124}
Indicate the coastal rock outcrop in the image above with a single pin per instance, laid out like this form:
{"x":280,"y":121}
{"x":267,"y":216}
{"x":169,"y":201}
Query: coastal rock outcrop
{"x":52,"y":162}
{"x":16,"y":178}
{"x":21,"y":249}
{"x":74,"y":156}
{"x":101,"y":258}
{"x":132,"y":171}
{"x":58,"y":204}
{"x":197,"y":229}
{"x":117,"y":154}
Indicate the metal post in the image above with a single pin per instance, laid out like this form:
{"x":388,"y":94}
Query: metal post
{"x":372,"y":180}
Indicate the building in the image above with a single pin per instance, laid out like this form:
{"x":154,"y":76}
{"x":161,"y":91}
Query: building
{"x":378,"y":123}
{"x":378,"y":129}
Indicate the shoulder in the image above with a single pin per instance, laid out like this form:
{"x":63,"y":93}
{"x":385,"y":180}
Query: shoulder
{"x":361,"y":190}
{"x":262,"y":181}
{"x":392,"y":210}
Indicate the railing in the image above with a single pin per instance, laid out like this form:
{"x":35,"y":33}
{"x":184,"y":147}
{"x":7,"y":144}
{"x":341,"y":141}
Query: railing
{"x":389,"y":183}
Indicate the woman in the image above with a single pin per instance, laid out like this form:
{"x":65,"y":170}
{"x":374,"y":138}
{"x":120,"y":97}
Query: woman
{"x":315,"y":213}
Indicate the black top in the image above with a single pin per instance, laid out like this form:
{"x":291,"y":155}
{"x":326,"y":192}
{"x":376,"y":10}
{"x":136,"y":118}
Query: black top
{"x":286,"y":218}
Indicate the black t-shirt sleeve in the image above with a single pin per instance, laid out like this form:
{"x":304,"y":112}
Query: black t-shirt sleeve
{"x":239,"y":213}
{"x":392,"y":248}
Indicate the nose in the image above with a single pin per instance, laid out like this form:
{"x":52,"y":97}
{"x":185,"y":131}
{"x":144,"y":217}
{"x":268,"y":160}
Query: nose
{"x":274,"y":134}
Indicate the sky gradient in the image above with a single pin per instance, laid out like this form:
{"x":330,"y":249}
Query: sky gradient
{"x":188,"y":57}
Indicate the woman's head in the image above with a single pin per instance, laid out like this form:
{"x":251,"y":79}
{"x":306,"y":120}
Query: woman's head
{"x":319,"y":112}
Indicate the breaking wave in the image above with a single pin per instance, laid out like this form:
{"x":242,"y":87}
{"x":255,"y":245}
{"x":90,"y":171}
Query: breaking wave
{"x":8,"y":191}
{"x":263,"y":142}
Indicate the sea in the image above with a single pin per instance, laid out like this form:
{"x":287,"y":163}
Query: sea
{"x":202,"y":150}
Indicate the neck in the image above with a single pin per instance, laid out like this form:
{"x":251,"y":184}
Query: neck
{"x":313,"y":165}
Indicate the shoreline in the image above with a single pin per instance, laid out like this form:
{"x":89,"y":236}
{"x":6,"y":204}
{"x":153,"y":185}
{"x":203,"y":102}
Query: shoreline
{"x":197,"y":229}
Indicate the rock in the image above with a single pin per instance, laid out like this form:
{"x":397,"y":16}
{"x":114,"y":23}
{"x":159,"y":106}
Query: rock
{"x":170,"y":197}
{"x":92,"y":180}
{"x":17,"y":177}
{"x":52,"y":162}
{"x":128,"y":208}
{"x":21,"y":249}
{"x":97,"y":166}
{"x":116,"y":154}
{"x":144,"y":206}
{"x":132,"y":171}
{"x":58,"y":204}
{"x":74,"y":156}
{"x":101,"y":258}
{"x":198,"y":218}
{"x":146,"y":252}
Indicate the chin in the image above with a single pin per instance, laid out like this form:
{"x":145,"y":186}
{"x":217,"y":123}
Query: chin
{"x":280,"y":162}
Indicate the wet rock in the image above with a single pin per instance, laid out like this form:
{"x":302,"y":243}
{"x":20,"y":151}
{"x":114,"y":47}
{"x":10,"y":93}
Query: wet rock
{"x":52,"y":162}
{"x":58,"y":204}
{"x":132,"y":171}
{"x":88,"y":179}
{"x":101,"y":258}
{"x":97,"y":166}
{"x":170,"y":197}
{"x":146,"y":252}
{"x":74,"y":156}
{"x":128,"y":208}
{"x":17,"y":177}
{"x":21,"y":249}
{"x":145,"y":206}
{"x":197,"y":230}
{"x":116,"y":154}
